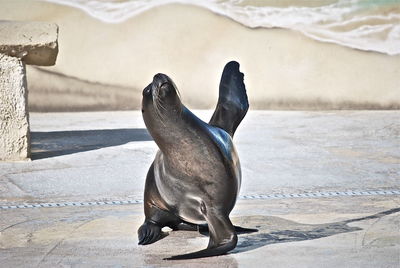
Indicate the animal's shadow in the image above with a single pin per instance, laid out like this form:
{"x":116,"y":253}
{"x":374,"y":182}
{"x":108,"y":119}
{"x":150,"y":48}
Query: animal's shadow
{"x":57,"y":143}
{"x":274,"y":230}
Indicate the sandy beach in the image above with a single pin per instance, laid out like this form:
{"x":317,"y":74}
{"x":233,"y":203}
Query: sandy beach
{"x":104,"y":66}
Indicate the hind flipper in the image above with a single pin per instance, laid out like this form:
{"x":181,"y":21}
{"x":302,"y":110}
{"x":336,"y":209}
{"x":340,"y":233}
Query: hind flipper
{"x":184,"y":226}
{"x":223,"y":238}
{"x":243,"y":230}
{"x":232,"y":103}
{"x":203,"y":229}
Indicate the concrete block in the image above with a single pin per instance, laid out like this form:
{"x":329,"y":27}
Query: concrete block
{"x":20,"y":43}
{"x":33,"y":42}
{"x":14,"y":121}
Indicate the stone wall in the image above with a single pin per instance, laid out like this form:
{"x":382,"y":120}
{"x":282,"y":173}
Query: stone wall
{"x":20,"y":43}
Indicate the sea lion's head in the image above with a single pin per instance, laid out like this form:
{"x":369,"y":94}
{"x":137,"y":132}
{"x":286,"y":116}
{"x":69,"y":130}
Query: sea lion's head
{"x":161,"y":101}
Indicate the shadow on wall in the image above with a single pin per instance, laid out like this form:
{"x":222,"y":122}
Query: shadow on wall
{"x":57,"y":143}
{"x":274,"y":230}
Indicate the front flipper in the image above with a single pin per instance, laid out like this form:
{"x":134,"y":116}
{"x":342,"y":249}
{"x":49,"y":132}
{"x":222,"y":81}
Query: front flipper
{"x":149,"y":233}
{"x":223,"y":238}
{"x":232,"y":103}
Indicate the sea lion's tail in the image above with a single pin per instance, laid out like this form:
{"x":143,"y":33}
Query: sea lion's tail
{"x":232,"y":103}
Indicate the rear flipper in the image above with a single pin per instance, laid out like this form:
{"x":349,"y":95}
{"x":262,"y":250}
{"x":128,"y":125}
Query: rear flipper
{"x":208,"y":252}
{"x":185,"y":226}
{"x":242,"y":230}
{"x":232,"y":103}
{"x":223,"y":238}
{"x":203,"y":229}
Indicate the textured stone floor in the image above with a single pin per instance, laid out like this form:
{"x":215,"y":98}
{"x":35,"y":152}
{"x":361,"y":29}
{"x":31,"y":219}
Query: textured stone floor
{"x":88,"y":157}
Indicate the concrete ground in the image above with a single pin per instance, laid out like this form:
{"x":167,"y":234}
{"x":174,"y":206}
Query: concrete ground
{"x":94,"y":157}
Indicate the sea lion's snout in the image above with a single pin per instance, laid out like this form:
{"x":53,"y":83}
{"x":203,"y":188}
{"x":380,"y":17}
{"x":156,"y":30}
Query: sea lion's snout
{"x":162,"y":85}
{"x":161,"y":97}
{"x":160,"y":79}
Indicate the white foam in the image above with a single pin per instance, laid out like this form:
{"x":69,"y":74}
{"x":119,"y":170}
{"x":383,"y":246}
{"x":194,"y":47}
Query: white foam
{"x":320,"y":23}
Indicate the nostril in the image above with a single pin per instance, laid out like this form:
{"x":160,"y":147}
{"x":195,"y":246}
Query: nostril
{"x":147,"y":90}
{"x":159,"y":79}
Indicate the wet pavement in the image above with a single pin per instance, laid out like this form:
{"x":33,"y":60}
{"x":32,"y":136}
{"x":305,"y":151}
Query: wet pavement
{"x":102,"y":157}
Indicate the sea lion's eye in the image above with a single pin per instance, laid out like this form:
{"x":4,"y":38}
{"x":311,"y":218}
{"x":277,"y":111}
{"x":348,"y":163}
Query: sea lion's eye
{"x":164,"y":90}
{"x":164,"y":85}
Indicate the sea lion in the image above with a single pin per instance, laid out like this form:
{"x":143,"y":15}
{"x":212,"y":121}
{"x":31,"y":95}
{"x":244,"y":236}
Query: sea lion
{"x":195,"y":177}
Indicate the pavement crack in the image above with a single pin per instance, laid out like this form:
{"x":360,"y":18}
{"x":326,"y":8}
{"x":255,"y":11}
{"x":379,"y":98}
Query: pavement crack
{"x":15,"y":184}
{"x":367,"y":231}
{"x":50,"y":251}
{"x":15,"y":224}
{"x":60,"y":242}
{"x":61,"y":167}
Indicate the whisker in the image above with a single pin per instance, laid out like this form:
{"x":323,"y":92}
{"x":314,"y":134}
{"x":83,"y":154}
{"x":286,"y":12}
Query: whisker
{"x":157,"y":106}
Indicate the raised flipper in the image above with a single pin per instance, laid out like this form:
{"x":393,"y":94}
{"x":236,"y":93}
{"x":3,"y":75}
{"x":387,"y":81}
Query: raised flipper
{"x":223,"y":238}
{"x":232,"y":103}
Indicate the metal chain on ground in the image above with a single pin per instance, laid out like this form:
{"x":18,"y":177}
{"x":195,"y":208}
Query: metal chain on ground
{"x":243,"y":197}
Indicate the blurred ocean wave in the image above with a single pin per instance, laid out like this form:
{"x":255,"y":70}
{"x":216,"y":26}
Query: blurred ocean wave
{"x":362,"y":24}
